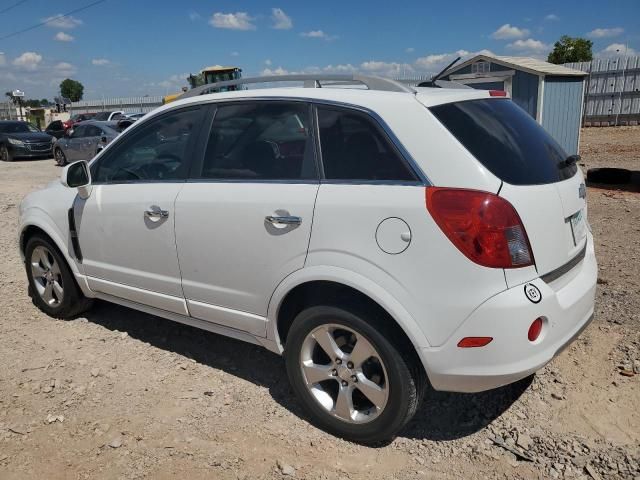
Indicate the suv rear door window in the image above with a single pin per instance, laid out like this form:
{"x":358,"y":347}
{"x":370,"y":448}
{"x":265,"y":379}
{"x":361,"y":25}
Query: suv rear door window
{"x":260,"y":141}
{"x":506,"y":140}
{"x":354,"y":148}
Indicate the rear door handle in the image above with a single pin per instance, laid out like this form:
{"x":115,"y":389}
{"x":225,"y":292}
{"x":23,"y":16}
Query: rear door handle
{"x":284,"y":220}
{"x":156,"y":212}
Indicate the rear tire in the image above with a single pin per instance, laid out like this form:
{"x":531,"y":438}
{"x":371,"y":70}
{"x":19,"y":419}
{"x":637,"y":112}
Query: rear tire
{"x":385,"y":389}
{"x":61,"y":159}
{"x":52,"y":286}
{"x":5,"y":154}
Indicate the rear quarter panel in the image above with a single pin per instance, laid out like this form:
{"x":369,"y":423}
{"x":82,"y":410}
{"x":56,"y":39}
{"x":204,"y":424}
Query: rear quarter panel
{"x":436,"y":284}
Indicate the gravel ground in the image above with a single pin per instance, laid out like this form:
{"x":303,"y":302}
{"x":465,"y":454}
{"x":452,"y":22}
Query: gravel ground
{"x":121,"y":394}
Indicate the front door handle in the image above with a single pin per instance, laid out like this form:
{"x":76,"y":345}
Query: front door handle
{"x":284,"y":220}
{"x":156,"y":212}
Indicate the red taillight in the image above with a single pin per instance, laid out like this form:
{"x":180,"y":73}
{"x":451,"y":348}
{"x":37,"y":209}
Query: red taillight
{"x":497,"y":93}
{"x":483,"y":226}
{"x":535,"y":329}
{"x":473,"y":342}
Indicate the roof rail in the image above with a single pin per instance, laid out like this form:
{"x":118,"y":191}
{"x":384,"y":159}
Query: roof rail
{"x":310,"y":81}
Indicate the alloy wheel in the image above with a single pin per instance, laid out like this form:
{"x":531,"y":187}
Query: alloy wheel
{"x":60,"y":158}
{"x":344,"y":373}
{"x":47,"y":277}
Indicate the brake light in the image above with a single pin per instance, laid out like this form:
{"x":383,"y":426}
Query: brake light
{"x":483,"y":226}
{"x":497,"y":93}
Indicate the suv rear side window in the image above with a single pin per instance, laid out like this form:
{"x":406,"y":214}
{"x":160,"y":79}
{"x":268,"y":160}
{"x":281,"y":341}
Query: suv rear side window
{"x":354,"y":148}
{"x":260,"y":141}
{"x":506,"y":140}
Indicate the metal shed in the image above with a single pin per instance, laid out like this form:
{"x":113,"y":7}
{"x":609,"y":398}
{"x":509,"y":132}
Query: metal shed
{"x":552,"y":94}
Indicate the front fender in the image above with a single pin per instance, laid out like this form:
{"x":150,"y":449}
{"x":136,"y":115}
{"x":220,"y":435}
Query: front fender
{"x":350,"y":279}
{"x":36,"y":217}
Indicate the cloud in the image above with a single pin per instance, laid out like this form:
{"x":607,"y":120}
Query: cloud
{"x":267,"y":62}
{"x":64,"y":68}
{"x":234,"y":54}
{"x":438,"y":61}
{"x":340,"y":68}
{"x":617,"y":49}
{"x":194,"y":16}
{"x":410,"y":50}
{"x":275,"y":71}
{"x":529,"y":46}
{"x":28,"y":61}
{"x":232,"y":21}
{"x":318,"y":34}
{"x":605,"y":32}
{"x":508,"y":32}
{"x":552,"y":17}
{"x":386,"y":69}
{"x":3,"y":59}
{"x":175,"y":81}
{"x":281,"y":21}
{"x":100,"y":62}
{"x":62,"y":22}
{"x":63,"y":37}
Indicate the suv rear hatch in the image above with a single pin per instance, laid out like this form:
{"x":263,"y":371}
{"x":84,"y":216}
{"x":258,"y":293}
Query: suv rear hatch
{"x":539,"y":178}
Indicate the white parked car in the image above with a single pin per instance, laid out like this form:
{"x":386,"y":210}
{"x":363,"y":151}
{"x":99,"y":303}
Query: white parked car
{"x":381,"y":239}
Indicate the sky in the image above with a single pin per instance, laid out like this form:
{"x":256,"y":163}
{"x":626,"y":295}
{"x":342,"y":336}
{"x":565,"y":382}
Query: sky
{"x":148,"y":47}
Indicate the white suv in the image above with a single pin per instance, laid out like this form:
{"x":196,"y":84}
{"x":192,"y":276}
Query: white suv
{"x":381,"y":239}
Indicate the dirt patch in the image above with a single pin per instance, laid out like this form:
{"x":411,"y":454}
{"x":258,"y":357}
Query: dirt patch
{"x":122,"y":394}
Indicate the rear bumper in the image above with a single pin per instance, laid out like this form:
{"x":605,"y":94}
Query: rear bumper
{"x":567,"y":308}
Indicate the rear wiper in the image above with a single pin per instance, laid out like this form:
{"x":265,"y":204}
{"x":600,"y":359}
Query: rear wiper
{"x":570,"y":160}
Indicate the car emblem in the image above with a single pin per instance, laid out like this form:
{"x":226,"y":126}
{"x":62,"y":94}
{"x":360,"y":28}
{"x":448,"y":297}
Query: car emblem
{"x":582,"y":191}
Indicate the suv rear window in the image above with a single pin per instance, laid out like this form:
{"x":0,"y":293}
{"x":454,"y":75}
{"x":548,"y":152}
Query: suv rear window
{"x":506,"y":140}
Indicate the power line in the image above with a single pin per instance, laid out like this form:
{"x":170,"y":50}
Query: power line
{"x":51,"y":19}
{"x":12,"y":6}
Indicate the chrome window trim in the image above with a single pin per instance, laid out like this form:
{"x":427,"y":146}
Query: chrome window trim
{"x":423,"y":178}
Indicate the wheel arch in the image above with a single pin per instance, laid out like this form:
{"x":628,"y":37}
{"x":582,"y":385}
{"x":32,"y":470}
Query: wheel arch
{"x":43,"y":225}
{"x":327,"y":282}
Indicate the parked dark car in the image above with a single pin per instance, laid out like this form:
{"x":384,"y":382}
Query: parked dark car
{"x":23,"y":140}
{"x":84,"y":141}
{"x":56,"y":129}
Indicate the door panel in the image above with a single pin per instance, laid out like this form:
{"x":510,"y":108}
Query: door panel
{"x":126,"y":227}
{"x":230,"y":255}
{"x":243,"y":223}
{"x":121,"y":245}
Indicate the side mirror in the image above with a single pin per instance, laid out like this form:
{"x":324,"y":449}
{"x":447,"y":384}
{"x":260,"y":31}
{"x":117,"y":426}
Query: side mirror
{"x":103,"y":139}
{"x":77,"y":175}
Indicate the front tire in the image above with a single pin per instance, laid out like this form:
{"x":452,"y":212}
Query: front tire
{"x":5,"y":154}
{"x":52,"y":286}
{"x":351,"y":379}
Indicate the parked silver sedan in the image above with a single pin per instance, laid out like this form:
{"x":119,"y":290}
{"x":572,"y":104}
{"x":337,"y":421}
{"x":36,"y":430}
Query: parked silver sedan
{"x":84,"y":141}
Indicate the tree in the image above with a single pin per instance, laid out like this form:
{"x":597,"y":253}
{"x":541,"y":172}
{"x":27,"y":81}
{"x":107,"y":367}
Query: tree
{"x":72,"y":89}
{"x":569,"y":49}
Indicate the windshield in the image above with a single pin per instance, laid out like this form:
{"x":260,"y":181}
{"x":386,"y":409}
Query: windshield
{"x":18,"y":127}
{"x":506,"y":140}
